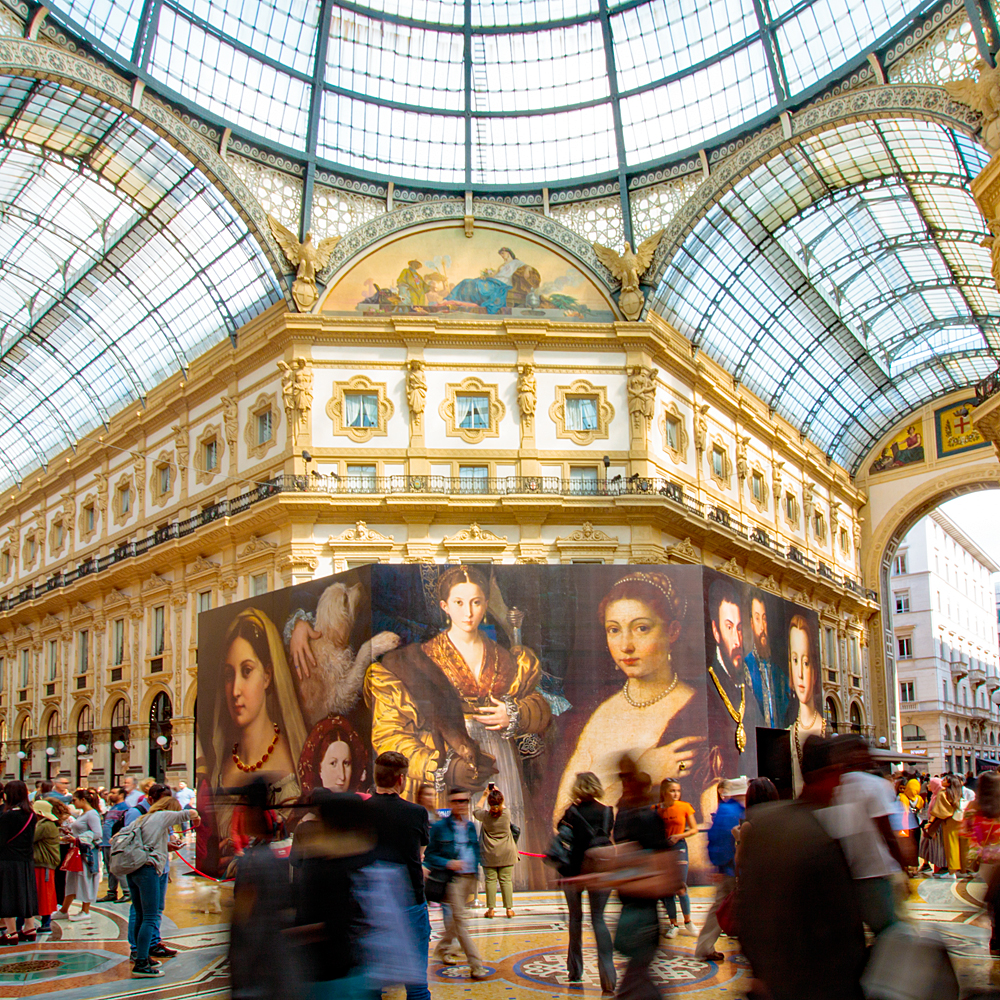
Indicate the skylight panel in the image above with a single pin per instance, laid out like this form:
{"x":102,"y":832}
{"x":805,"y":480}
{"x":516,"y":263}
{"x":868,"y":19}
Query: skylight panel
{"x":285,"y":32}
{"x":228,"y":83}
{"x":559,"y":146}
{"x":510,"y":12}
{"x":541,"y":69}
{"x":428,"y":11}
{"x":114,"y":23}
{"x":705,"y":104}
{"x":828,"y":33}
{"x":661,"y":38}
{"x":392,"y":62}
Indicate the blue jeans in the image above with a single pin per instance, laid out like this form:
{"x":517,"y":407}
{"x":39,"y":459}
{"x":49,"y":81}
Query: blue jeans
{"x":670,"y":901}
{"x":161,"y":902}
{"x":420,"y":921}
{"x":144,"y":886}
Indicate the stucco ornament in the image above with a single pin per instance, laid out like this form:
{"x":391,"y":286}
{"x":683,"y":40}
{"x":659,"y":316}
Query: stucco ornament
{"x":982,"y":95}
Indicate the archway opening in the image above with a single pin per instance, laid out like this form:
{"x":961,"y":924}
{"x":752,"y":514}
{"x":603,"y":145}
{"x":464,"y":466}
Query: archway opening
{"x":121,"y":716}
{"x":160,"y":736}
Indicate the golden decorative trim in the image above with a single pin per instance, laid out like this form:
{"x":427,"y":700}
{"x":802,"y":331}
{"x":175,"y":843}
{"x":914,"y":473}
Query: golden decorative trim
{"x":679,"y":454}
{"x":265,"y":401}
{"x":257,"y":546}
{"x":732,"y":568}
{"x":118,"y":515}
{"x":725,"y":480}
{"x":683,"y":552}
{"x":770,"y":584}
{"x":449,"y":409}
{"x":581,"y":388}
{"x":336,"y":408}
{"x":158,"y":496}
{"x":794,"y":518}
{"x":757,"y":471}
{"x":212,"y":432}
{"x":359,"y":533}
{"x":587,"y":542}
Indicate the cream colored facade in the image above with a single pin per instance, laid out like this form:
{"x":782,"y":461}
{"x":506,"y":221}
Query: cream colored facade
{"x":200,"y":498}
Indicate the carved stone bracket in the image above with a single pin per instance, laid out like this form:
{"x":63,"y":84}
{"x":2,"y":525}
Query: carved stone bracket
{"x":476,"y":543}
{"x":587,"y":542}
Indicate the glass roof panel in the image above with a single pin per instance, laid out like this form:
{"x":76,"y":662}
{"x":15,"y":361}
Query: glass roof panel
{"x":537,"y":148}
{"x":542,"y":69}
{"x":661,"y":38}
{"x":848,"y":285}
{"x":388,"y":141}
{"x":114,"y":23}
{"x":395,"y":62}
{"x":285,"y":32}
{"x":228,"y":83}
{"x":688,"y":75}
{"x":826,"y":34}
{"x":511,"y":12}
{"x":685,"y":113}
{"x":115,"y":270}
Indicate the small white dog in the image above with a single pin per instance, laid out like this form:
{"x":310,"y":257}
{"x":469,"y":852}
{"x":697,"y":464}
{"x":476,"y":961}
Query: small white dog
{"x":332,"y":688}
{"x":206,"y":898}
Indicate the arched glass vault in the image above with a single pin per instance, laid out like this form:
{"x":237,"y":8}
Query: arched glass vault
{"x":844,"y":280}
{"x":119,"y":262}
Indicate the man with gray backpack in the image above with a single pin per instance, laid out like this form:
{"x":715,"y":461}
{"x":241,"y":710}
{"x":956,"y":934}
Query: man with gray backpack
{"x":139,"y":855}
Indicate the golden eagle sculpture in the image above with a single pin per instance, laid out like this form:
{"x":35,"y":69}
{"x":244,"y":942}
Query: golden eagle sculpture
{"x":628,"y":267}
{"x":307,"y":258}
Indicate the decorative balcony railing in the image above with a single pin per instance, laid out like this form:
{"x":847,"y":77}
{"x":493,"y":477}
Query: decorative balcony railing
{"x":663,"y":490}
{"x":987,"y":387}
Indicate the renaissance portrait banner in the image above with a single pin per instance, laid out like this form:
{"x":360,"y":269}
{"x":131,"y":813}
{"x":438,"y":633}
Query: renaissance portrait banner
{"x":520,"y":676}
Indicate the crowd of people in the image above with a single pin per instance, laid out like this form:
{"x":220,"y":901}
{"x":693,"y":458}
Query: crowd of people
{"x":52,"y":842}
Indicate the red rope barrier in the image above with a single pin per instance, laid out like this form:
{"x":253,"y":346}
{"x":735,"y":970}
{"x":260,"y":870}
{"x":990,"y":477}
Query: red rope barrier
{"x":525,"y":854}
{"x":202,"y":874}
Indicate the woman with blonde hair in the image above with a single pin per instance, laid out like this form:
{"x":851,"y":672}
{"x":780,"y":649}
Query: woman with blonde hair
{"x":258,"y":729}
{"x":590,"y":823}
{"x":497,"y":850}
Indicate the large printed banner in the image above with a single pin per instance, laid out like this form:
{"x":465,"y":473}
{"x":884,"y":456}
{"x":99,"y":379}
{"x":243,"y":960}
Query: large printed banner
{"x":518,"y":675}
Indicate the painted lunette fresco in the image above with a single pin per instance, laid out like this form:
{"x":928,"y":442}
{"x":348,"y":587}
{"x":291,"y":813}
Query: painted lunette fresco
{"x":519,"y":675}
{"x":441,"y":272}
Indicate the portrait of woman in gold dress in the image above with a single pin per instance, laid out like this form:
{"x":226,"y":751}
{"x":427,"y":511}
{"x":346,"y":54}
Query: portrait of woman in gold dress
{"x":456,"y":704}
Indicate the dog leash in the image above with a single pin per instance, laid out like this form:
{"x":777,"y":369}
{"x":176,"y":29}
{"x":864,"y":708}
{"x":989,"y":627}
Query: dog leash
{"x":219,"y":881}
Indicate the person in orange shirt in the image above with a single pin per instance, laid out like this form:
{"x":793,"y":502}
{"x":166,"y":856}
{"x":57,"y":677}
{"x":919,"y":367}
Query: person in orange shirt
{"x":678,"y":821}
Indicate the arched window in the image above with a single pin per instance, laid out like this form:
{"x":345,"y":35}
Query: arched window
{"x":993,"y":739}
{"x":24,"y":753}
{"x":52,"y":764}
{"x":912,"y":733}
{"x":855,"y":717}
{"x":947,"y":732}
{"x":160,"y":732}
{"x":121,"y":716}
{"x":84,"y":738}
{"x":967,"y":737}
{"x":831,"y":712}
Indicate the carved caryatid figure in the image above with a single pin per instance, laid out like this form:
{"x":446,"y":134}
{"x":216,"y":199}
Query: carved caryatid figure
{"x":416,"y":393}
{"x":307,"y":258}
{"x":641,"y":396}
{"x":982,"y":95}
{"x":526,"y":396}
{"x":296,"y":393}
{"x":628,"y":268}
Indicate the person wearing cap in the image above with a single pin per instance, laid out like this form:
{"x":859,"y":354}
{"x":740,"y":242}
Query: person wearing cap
{"x":45,"y":852}
{"x":722,"y":853}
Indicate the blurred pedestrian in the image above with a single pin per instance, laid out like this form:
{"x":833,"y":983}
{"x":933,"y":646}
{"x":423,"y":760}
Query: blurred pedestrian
{"x":942,"y":817}
{"x":402,"y":830}
{"x":45,"y":854}
{"x":497,"y":850}
{"x":932,"y":841}
{"x":797,"y":906}
{"x":982,"y":828}
{"x":722,"y":853}
{"x":427,"y":798}
{"x":453,"y":846}
{"x":679,"y":824}
{"x":112,"y":821}
{"x":591,"y":822}
{"x":638,"y":932}
{"x":913,"y":803}
{"x":859,"y":818}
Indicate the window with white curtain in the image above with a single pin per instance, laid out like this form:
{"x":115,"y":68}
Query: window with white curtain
{"x":583,"y":479}
{"x":581,"y":413}
{"x":473,"y":412}
{"x":361,"y":409}
{"x":473,"y":478}
{"x":361,"y":478}
{"x":53,"y":659}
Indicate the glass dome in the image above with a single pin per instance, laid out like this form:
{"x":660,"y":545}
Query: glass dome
{"x":480,"y":94}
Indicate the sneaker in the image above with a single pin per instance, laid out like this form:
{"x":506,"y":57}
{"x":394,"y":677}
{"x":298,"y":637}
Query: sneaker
{"x":133,"y":958}
{"x":689,"y":928}
{"x":75,"y":917}
{"x":59,"y":915}
{"x":108,"y":899}
{"x":124,"y":899}
{"x":147,"y":971}
{"x":160,"y":950}
{"x":672,"y":931}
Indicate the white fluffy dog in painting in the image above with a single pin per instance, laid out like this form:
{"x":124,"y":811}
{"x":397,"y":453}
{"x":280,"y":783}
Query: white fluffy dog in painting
{"x":332,"y":688}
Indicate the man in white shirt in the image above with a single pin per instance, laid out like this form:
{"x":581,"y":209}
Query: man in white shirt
{"x":859,"y":818}
{"x":184,"y":795}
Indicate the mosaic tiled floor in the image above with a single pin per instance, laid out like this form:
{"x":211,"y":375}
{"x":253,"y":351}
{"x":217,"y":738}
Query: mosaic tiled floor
{"x":525,"y":956}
